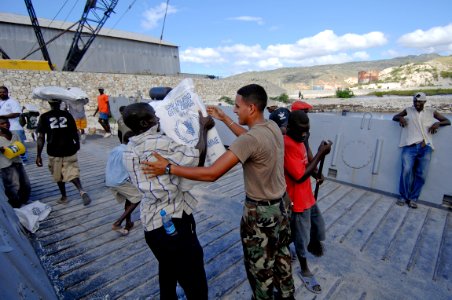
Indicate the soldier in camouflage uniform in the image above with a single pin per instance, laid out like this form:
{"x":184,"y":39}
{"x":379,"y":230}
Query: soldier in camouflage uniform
{"x":264,"y":228}
{"x":265,"y":232}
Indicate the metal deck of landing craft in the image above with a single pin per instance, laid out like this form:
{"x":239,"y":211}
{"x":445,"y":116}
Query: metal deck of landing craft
{"x":375,"y":249}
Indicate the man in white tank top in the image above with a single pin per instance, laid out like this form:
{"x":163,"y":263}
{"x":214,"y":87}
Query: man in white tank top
{"x":419,"y":125}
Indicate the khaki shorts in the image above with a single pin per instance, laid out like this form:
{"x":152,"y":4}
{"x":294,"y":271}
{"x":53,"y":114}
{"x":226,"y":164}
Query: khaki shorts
{"x":64,"y":169}
{"x":126,"y":191}
{"x":81,"y":123}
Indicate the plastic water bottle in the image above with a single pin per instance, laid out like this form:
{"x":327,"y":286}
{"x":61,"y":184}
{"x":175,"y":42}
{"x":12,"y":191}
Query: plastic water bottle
{"x":168,"y":223}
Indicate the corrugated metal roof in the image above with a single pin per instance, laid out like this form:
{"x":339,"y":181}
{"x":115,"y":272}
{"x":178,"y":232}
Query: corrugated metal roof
{"x":59,"y":25}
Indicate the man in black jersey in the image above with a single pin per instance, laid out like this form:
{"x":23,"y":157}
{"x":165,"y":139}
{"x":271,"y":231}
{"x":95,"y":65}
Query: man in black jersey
{"x":62,"y":146}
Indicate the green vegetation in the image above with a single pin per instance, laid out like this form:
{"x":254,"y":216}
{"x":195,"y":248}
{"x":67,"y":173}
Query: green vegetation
{"x":429,"y":92}
{"x":227,"y":100}
{"x":445,"y":74}
{"x":344,"y":93}
{"x":284,"y":98}
{"x":396,"y":75}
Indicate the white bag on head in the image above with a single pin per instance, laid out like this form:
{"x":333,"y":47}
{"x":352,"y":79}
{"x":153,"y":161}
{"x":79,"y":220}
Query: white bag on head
{"x":57,"y":92}
{"x":179,"y":119}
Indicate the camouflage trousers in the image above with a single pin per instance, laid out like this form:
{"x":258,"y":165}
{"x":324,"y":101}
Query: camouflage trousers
{"x":265,"y":234}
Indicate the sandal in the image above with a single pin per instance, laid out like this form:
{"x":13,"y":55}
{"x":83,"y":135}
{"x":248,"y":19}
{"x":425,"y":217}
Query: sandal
{"x":400,"y":202}
{"x":62,"y":200}
{"x":412,"y":205}
{"x":311,"y":284}
{"x":121,"y":230}
{"x":85,"y":197}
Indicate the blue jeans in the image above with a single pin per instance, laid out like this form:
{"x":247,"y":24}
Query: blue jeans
{"x":305,"y":226}
{"x":16,"y":184}
{"x":21,"y":134}
{"x":415,"y":161}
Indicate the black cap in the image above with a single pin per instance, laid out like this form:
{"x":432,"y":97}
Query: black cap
{"x":280,"y":116}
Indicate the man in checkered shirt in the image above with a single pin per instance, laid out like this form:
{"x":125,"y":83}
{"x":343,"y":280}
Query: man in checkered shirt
{"x":180,"y":256}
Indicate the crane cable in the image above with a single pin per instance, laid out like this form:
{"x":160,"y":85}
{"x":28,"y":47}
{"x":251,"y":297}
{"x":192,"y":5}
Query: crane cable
{"x":67,"y":16}
{"x":64,"y":4}
{"x":34,"y":45}
{"x":164,"y":19}
{"x":120,"y":18}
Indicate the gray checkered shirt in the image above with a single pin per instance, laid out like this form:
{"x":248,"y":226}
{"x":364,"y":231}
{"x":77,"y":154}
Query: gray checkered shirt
{"x":167,"y":192}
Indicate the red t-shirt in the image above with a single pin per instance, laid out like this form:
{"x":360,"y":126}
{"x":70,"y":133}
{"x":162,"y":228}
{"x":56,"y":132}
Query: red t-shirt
{"x":102,"y":103}
{"x":295,"y":162}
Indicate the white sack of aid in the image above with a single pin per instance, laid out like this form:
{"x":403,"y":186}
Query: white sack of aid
{"x":178,"y":114}
{"x":56,"y":92}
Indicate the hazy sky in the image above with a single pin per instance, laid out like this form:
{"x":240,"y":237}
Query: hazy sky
{"x":228,"y":37}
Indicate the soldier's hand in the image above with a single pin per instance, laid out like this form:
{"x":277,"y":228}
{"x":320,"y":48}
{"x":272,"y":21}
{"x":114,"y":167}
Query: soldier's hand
{"x":154,"y":168}
{"x":216,"y":112}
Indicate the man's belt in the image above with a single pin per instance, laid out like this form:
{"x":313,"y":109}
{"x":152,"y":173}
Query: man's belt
{"x":264,"y":202}
{"x":423,"y":144}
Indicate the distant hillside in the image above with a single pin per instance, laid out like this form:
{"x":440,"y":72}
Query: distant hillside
{"x":399,"y":70}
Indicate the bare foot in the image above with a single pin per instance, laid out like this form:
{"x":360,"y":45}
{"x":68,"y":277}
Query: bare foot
{"x":129,"y":226}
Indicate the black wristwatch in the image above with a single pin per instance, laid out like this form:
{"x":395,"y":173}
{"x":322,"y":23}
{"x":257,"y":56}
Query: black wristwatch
{"x":168,"y":169}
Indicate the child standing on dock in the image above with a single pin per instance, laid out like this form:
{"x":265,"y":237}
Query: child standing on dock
{"x":15,"y":179}
{"x":118,"y":180}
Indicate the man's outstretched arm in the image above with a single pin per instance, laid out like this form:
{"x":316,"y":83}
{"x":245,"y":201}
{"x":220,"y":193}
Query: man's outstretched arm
{"x":218,"y":114}
{"x":223,"y":164}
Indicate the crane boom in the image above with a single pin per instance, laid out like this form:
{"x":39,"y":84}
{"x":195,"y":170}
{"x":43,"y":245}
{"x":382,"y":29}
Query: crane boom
{"x":94,"y":17}
{"x":37,"y":29}
{"x":3,"y":54}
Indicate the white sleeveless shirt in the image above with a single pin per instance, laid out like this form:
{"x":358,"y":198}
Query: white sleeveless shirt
{"x":417,"y":127}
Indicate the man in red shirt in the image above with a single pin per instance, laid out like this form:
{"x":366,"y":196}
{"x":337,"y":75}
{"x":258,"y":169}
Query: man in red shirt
{"x":306,"y":220}
{"x":104,"y":111}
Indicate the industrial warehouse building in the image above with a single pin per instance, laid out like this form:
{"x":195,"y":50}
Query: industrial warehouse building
{"x":113,"y":51}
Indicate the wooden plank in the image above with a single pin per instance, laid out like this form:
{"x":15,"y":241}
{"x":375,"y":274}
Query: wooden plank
{"x":385,"y":233}
{"x":443,"y":267}
{"x":344,"y":224}
{"x":341,"y":206}
{"x":367,"y":226}
{"x":329,"y":200}
{"x":403,"y":246}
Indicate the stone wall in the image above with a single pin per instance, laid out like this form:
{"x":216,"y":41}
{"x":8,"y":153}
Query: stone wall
{"x":21,"y":83}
